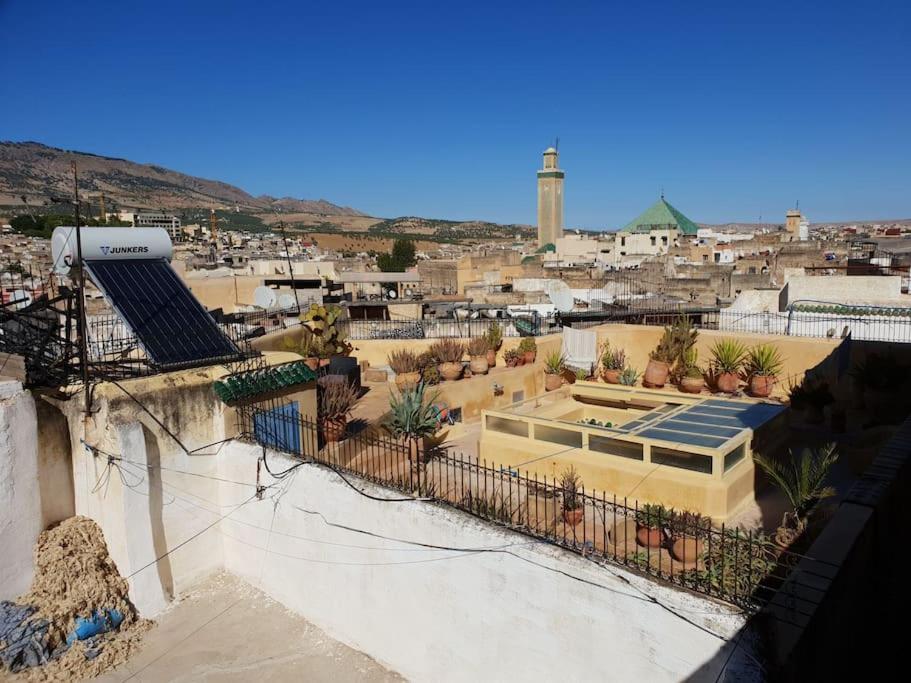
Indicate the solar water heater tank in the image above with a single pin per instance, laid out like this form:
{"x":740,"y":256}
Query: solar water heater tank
{"x":108,"y":244}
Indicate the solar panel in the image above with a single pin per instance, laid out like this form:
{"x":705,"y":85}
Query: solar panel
{"x":709,"y":423}
{"x":171,"y":325}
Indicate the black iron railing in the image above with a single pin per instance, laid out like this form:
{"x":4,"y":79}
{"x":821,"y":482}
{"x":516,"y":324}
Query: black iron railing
{"x":730,"y":564}
{"x":442,"y":328}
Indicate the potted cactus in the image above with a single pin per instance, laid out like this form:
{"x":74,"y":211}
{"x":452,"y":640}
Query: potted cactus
{"x":448,"y":354}
{"x":310,"y":349}
{"x":495,"y":341}
{"x":335,"y":399}
{"x":573,"y":503}
{"x":651,"y":521}
{"x":477,"y":354}
{"x":511,"y":357}
{"x":554,"y":365}
{"x":692,"y":381}
{"x":613,"y":361}
{"x":763,"y":363}
{"x":406,"y":366}
{"x":675,"y":341}
{"x":728,"y":357}
{"x":322,"y":321}
{"x":529,"y":349}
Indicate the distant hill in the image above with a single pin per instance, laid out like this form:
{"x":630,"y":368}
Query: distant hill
{"x":40,"y":172}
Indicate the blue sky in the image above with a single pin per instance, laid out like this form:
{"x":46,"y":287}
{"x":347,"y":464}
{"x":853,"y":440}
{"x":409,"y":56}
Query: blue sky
{"x":443,"y":109}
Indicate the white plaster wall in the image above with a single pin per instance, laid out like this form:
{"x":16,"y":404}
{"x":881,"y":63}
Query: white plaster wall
{"x":455,"y":616}
{"x":20,"y":498}
{"x":845,"y":289}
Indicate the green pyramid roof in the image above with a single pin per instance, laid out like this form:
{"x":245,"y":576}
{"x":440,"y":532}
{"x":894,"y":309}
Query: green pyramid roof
{"x":661,"y":216}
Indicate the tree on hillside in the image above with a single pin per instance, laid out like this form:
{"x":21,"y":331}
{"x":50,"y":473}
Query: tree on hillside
{"x":399,"y":259}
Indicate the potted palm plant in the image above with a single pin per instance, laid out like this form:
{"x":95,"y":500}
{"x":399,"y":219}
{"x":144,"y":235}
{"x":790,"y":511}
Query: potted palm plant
{"x":803,"y":482}
{"x":511,"y":357}
{"x":413,"y":417}
{"x":692,"y":381}
{"x":573,"y":504}
{"x":554,"y":365}
{"x":406,"y":366}
{"x":651,"y":521}
{"x":612,"y":363}
{"x":495,"y":341}
{"x":477,"y":354}
{"x":529,"y":349}
{"x":728,"y":357}
{"x":448,"y":354}
{"x":763,"y":363}
{"x":335,"y":399}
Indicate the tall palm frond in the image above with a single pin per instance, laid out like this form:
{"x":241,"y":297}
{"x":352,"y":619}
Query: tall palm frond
{"x":802,"y":479}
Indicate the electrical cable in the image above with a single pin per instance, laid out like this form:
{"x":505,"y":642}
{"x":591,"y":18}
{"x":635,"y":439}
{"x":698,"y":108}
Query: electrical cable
{"x":194,"y":536}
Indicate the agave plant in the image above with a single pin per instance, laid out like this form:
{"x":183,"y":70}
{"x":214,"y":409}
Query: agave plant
{"x":728,"y":356}
{"x":555,"y":363}
{"x":802,"y":480}
{"x":764,"y":359}
{"x":412,"y":413}
{"x":629,"y":376}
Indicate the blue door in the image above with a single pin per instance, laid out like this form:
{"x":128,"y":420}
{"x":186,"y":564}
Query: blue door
{"x":279,"y":428}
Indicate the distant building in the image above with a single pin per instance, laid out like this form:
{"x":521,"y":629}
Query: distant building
{"x":651,"y":233}
{"x":550,"y":199}
{"x":145,"y":219}
{"x":792,"y":223}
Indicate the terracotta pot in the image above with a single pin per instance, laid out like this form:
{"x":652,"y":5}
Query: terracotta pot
{"x":686,"y":550}
{"x":450,"y":371}
{"x":692,"y":385}
{"x":656,"y":373}
{"x":334,"y":429}
{"x":513,"y":362}
{"x":573,"y":517}
{"x":552,"y":382}
{"x":761,"y":385}
{"x":529,"y":356}
{"x":611,"y":376}
{"x":650,"y":537}
{"x":492,"y":358}
{"x":478,"y":365}
{"x":407,"y":380}
{"x":520,"y":360}
{"x":728,"y":382}
{"x":312,"y":363}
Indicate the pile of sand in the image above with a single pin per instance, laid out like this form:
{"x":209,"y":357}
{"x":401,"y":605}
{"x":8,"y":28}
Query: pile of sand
{"x":74,"y":577}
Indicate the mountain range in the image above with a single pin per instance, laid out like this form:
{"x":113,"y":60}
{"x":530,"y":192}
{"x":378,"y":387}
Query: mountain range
{"x":40,"y":173}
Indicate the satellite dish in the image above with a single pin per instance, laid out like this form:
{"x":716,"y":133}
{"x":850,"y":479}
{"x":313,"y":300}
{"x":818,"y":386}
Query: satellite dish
{"x":264,"y":297}
{"x":286,"y":301}
{"x":560,"y":295}
{"x":20,"y":298}
{"x":391,"y":294}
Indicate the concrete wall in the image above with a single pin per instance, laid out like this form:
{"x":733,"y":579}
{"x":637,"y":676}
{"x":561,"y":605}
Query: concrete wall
{"x":844,"y":289}
{"x":20,"y":498}
{"x":455,"y":616}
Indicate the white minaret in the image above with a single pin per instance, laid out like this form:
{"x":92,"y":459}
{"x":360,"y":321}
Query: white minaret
{"x":550,"y":199}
